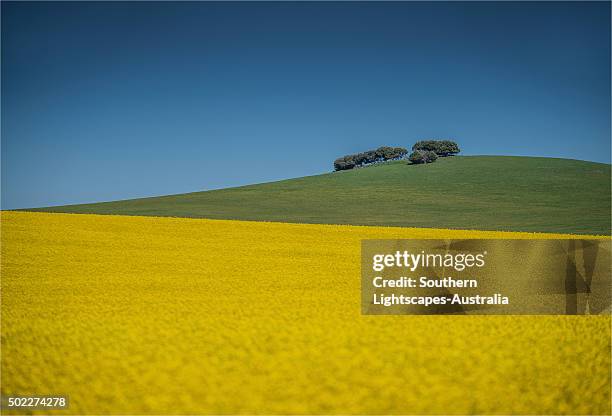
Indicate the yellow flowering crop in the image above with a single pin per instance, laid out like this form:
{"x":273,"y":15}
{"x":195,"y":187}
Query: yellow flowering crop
{"x":133,"y":315}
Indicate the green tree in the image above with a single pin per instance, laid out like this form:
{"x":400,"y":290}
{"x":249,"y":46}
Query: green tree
{"x":381,"y":154}
{"x":440,"y":147}
{"x":426,"y":145}
{"x":447,"y":148}
{"x":422,"y":156}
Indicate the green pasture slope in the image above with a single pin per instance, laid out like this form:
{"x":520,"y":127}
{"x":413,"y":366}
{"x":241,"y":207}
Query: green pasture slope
{"x":472,"y":192}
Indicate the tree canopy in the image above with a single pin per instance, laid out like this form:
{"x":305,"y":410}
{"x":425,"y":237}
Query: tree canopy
{"x":422,"y":156}
{"x":382,"y":154}
{"x":440,"y":147}
{"x":423,"y":151}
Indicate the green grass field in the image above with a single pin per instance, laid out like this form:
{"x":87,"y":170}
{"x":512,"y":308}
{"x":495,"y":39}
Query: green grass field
{"x":471,"y":192}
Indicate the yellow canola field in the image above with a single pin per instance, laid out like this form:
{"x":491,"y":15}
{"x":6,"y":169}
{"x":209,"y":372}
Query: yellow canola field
{"x":136,"y":315}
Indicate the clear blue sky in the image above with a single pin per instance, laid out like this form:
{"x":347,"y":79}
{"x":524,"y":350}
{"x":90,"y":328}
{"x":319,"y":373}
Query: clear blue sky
{"x":111,"y":100}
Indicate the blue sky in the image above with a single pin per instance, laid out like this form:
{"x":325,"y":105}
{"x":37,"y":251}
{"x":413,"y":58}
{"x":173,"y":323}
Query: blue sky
{"x":113,"y":100}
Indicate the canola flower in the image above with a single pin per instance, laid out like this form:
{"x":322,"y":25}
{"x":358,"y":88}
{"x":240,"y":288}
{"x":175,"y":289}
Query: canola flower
{"x":137,"y":315}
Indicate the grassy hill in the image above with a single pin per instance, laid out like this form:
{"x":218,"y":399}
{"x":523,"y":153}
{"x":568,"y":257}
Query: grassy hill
{"x":473,"y":192}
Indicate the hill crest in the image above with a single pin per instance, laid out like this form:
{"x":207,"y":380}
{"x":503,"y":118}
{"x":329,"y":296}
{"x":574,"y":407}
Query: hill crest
{"x":504,"y":193}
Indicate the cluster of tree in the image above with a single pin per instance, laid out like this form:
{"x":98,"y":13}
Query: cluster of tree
{"x":382,"y":154}
{"x":427,"y":151}
{"x":422,"y":156}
